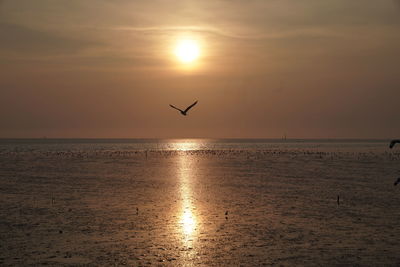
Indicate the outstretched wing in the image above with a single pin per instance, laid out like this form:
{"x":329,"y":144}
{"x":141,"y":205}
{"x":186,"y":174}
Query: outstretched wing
{"x":393,"y":142}
{"x":175,"y":108}
{"x":189,"y":107}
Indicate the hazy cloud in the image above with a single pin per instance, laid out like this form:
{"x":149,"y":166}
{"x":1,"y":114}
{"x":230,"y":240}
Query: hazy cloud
{"x":25,"y":40}
{"x":316,"y":31}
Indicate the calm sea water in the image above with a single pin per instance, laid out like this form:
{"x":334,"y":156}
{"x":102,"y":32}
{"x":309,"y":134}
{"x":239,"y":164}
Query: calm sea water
{"x":232,"y":202}
{"x":350,"y":145}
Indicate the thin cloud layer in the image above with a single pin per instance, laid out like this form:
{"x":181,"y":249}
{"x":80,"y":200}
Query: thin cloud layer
{"x":25,"y":40}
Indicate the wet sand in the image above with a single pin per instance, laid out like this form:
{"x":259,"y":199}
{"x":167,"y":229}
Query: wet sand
{"x":207,"y":208}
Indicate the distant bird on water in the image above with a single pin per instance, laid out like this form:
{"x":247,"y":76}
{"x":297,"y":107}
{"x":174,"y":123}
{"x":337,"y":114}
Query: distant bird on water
{"x":393,"y":142}
{"x":183,"y":112}
{"x":397,"y":181}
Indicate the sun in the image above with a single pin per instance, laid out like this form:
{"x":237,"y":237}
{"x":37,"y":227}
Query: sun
{"x":187,"y":51}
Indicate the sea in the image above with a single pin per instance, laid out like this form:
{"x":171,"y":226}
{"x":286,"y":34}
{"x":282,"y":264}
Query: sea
{"x":199,"y":202}
{"x":356,"y":145}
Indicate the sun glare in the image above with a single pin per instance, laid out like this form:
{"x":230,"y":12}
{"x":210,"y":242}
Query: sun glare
{"x":187,"y":51}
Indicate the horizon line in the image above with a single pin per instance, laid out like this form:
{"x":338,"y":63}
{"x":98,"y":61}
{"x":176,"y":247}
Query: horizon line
{"x":193,"y":138}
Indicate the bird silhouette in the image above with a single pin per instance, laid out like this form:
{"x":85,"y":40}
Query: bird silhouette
{"x":183,"y":112}
{"x":393,"y":142}
{"x":397,"y":181}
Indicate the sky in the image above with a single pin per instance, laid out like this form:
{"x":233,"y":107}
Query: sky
{"x":267,"y":68}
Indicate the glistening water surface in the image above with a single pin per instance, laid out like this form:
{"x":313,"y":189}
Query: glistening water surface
{"x":199,"y":202}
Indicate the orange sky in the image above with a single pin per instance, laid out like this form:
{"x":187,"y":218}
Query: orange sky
{"x":307,"y":68}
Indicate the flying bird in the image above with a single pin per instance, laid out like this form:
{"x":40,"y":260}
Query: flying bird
{"x":393,"y":142}
{"x":183,"y":112}
{"x":397,"y":181}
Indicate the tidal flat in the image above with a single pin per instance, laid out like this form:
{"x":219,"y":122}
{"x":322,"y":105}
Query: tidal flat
{"x":90,"y":206}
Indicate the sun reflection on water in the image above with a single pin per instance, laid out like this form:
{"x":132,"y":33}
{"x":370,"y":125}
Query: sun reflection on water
{"x":185,"y":145}
{"x":188,"y":220}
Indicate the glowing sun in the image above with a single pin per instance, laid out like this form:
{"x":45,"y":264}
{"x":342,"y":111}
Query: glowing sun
{"x":187,"y":51}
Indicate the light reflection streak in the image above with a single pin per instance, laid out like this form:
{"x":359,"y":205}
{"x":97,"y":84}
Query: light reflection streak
{"x":188,"y":220}
{"x":185,"y":145}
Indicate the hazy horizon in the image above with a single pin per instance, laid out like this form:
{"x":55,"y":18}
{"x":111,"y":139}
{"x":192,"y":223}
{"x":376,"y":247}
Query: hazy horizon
{"x":199,"y":139}
{"x":107,"y":69}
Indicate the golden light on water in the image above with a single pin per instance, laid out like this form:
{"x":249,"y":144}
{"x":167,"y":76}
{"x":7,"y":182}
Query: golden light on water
{"x":187,"y":216}
{"x":188,"y":222}
{"x":185,"y":145}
